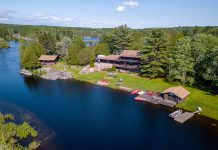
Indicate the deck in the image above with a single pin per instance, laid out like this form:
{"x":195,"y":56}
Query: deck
{"x":151,"y":99}
{"x":184,"y":117}
{"x":167,"y":103}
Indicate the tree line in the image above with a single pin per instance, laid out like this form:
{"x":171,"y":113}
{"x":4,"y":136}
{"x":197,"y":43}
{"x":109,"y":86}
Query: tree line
{"x":187,"y":55}
{"x":190,"y":60}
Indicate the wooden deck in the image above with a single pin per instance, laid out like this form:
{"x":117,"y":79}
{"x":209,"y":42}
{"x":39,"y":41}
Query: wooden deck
{"x":167,"y":103}
{"x":152,"y":100}
{"x":149,"y":100}
{"x":184,"y":117}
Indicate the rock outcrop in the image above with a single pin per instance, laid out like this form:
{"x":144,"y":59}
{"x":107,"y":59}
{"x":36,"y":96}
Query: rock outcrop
{"x":51,"y":74}
{"x":26,"y":72}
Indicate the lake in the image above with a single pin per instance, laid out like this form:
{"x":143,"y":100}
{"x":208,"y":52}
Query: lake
{"x":91,"y":41}
{"x":76,"y":115}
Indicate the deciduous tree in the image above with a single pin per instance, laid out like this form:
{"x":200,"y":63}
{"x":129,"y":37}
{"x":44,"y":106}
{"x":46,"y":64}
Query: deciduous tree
{"x":181,"y":67}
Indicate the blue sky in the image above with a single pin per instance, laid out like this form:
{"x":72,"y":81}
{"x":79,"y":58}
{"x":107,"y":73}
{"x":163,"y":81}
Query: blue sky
{"x":110,"y":13}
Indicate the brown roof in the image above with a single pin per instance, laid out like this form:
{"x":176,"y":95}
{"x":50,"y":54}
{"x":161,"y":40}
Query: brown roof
{"x":178,"y":91}
{"x":110,"y":57}
{"x":48,"y":57}
{"x":130,"y":53}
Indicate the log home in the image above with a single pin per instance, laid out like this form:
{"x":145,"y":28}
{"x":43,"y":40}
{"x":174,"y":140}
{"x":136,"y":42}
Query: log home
{"x":127,"y":60}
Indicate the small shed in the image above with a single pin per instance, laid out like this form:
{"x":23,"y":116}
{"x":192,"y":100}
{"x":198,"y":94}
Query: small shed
{"x":48,"y":59}
{"x":176,"y":94}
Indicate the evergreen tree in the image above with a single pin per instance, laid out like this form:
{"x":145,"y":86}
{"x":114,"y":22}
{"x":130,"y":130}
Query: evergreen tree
{"x":48,"y":41}
{"x":58,"y":39}
{"x":121,"y":39}
{"x":181,"y":67}
{"x":155,"y":55}
{"x":138,"y":40}
{"x":30,"y":55}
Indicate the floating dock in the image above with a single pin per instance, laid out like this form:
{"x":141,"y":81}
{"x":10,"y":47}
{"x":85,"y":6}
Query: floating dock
{"x":184,"y":117}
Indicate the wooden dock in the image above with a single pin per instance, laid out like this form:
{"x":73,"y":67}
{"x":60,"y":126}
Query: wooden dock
{"x":167,"y":103}
{"x":152,"y":100}
{"x":184,"y":117}
{"x":149,"y":100}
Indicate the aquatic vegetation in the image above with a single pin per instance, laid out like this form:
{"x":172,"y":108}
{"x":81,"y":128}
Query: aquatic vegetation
{"x":12,"y":134}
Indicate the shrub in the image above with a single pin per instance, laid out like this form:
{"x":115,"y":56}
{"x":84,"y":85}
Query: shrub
{"x":92,"y":64}
{"x":114,"y":68}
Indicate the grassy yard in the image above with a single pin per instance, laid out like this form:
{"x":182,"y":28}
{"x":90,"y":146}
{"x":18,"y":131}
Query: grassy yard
{"x":197,"y":97}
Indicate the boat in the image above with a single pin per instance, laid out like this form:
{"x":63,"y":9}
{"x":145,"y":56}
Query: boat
{"x":141,"y":92}
{"x":138,"y":99}
{"x":135,"y":92}
{"x":150,"y":93}
{"x":176,"y":113}
{"x":198,"y":110}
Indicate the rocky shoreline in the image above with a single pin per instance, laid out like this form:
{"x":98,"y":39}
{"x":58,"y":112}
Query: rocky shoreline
{"x":49,"y":74}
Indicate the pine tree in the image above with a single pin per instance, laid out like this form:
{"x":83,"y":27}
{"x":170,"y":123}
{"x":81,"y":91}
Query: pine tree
{"x":48,"y":41}
{"x":155,"y":55}
{"x":121,"y":39}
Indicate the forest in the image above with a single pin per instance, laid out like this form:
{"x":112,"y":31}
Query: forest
{"x":183,"y":55}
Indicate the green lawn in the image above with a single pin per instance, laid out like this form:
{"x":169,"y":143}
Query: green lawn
{"x":207,"y":102}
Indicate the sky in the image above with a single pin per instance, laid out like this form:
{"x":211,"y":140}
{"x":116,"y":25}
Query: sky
{"x":110,"y":13}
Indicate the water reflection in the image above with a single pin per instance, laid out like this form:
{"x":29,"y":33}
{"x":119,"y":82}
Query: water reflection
{"x":32,"y":83}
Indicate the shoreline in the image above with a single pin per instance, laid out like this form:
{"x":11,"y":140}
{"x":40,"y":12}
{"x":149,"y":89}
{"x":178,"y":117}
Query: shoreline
{"x":74,"y":77}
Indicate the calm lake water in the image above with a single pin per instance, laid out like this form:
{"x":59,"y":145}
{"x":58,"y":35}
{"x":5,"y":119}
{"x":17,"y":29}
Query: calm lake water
{"x":75,"y":115}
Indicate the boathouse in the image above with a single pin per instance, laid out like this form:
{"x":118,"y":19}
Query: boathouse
{"x":48,"y":59}
{"x":176,"y":94}
{"x":127,"y":60}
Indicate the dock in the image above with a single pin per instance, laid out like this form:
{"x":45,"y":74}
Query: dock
{"x":184,"y":117}
{"x":167,"y":103}
{"x":150,"y":99}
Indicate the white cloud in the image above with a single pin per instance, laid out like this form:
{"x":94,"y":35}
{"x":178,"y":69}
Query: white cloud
{"x":121,"y":8}
{"x":131,"y":4}
{"x":16,"y":17}
{"x":127,"y":4}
